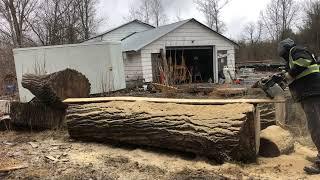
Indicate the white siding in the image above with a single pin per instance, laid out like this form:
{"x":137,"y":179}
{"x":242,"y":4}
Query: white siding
{"x":132,"y":65}
{"x":189,"y":34}
{"x":122,"y":32}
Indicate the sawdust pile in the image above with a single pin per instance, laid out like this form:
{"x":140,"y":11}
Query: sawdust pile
{"x":77,"y":160}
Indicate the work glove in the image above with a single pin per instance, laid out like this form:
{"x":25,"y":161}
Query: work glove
{"x":279,"y":77}
{"x":288,"y":78}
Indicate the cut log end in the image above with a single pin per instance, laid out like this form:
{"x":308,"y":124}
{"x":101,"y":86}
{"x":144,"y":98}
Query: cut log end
{"x":53,"y":88}
{"x":275,"y":141}
{"x":221,"y":132}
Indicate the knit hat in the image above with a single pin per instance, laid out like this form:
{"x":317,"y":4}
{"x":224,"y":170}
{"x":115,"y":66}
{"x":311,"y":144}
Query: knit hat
{"x":285,"y":46}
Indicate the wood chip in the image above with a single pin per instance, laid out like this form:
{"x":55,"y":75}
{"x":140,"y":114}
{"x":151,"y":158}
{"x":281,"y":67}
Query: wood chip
{"x":54,"y":148}
{"x":58,"y":144}
{"x":8,"y":169}
{"x":64,"y":160}
{"x":8,"y":144}
{"x":52,"y":158}
{"x":34,"y":145}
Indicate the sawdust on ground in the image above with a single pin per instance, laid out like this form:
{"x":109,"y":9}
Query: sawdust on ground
{"x":58,"y":157}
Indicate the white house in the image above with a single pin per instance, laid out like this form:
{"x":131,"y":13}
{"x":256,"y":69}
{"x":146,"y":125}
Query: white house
{"x":205,"y":51}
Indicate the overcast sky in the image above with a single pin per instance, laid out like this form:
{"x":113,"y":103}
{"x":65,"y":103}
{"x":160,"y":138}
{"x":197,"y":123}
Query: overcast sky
{"x":236,"y":14}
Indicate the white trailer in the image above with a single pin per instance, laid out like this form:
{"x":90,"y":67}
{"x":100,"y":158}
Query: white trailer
{"x":101,"y":63}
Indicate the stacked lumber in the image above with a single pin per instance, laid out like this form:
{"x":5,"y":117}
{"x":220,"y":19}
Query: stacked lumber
{"x":220,"y":132}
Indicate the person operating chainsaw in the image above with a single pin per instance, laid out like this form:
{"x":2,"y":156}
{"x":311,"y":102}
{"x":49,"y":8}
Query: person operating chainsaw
{"x":303,"y":77}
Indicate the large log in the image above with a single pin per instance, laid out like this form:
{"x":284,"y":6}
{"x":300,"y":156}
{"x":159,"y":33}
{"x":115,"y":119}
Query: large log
{"x":53,"y":88}
{"x":221,"y":132}
{"x":36,"y":116}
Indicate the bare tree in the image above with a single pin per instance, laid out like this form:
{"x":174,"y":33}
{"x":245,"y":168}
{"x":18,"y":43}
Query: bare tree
{"x":150,"y":11}
{"x":309,"y":32}
{"x":50,"y":18}
{"x":142,"y":12}
{"x":14,"y":15}
{"x":253,"y":32}
{"x":178,"y":15}
{"x":65,"y":21}
{"x":212,"y":9}
{"x":278,"y":18}
{"x":87,"y":14}
{"x":157,"y":12}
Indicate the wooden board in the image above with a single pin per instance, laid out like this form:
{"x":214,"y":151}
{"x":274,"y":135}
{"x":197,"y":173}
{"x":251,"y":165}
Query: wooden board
{"x":168,"y":100}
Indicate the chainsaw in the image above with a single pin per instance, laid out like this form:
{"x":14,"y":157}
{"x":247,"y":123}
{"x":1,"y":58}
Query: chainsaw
{"x":273,"y":85}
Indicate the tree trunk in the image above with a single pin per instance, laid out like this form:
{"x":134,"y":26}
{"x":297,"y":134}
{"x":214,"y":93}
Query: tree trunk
{"x":52,"y":89}
{"x":221,"y":132}
{"x":35,"y":116}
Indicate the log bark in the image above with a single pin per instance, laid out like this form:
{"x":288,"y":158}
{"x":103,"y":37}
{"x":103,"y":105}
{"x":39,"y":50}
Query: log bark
{"x":36,"y":116}
{"x":275,"y":141}
{"x":267,"y":115}
{"x":52,"y":89}
{"x":221,"y":132}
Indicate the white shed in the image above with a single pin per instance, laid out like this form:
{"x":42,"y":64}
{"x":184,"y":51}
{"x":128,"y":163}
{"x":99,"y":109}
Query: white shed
{"x":100,"y":62}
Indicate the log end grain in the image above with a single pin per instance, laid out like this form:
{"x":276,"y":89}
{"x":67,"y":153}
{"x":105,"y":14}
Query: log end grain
{"x":275,"y":141}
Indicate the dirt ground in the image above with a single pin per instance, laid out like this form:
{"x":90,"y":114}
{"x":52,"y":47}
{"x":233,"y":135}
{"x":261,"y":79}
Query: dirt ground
{"x":53,"y":155}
